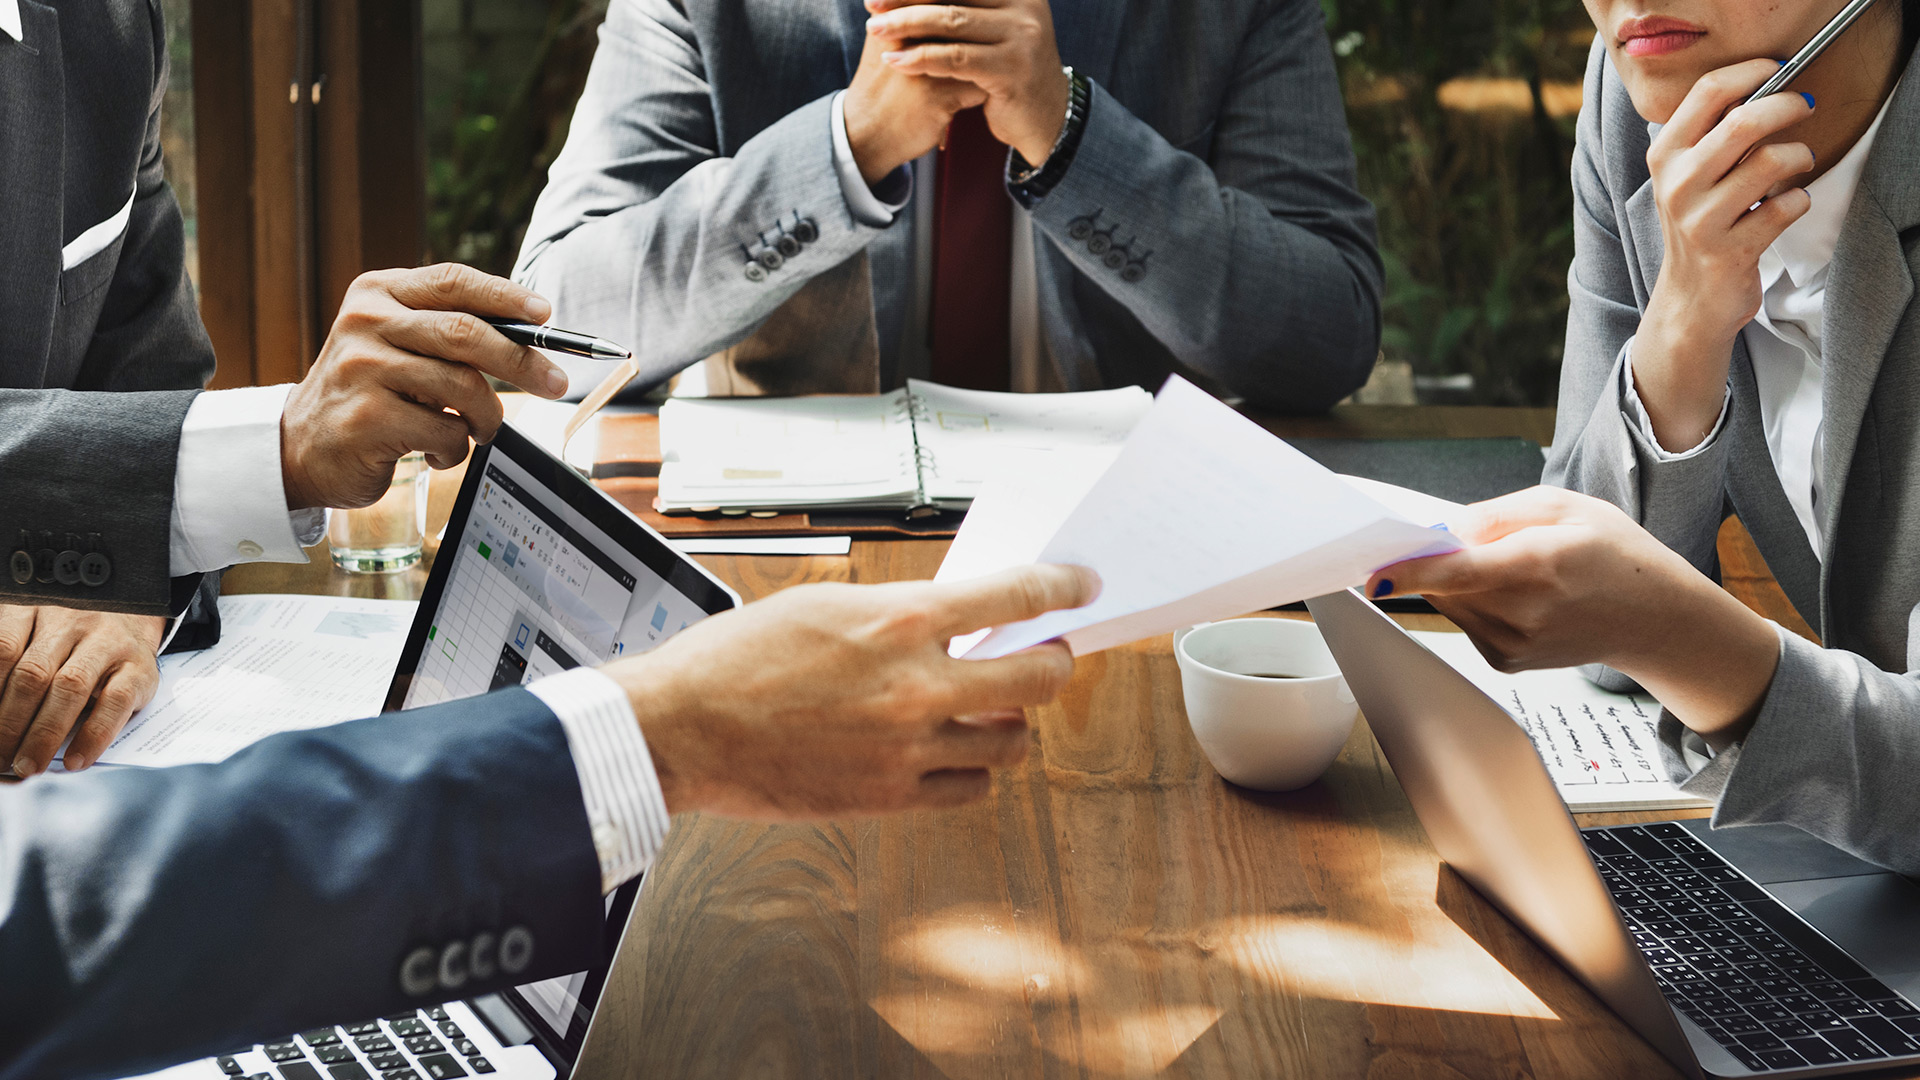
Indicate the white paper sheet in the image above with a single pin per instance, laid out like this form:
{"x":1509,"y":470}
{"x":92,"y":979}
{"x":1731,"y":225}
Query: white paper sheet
{"x":1599,"y":746}
{"x":765,"y":545}
{"x":968,"y":437}
{"x":1203,"y":515}
{"x":284,"y":663}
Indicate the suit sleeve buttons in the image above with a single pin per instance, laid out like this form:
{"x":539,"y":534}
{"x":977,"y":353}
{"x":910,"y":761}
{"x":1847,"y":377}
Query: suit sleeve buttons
{"x":95,"y":569}
{"x":1080,"y":228}
{"x":43,"y":566}
{"x":66,"y":567}
{"x":788,"y":246}
{"x":21,"y":567}
{"x":806,"y":231}
{"x":756,"y":273}
{"x":772,"y":259}
{"x":1133,"y":272}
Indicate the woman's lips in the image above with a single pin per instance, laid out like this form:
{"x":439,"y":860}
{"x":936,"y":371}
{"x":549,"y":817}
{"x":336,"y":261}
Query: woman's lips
{"x":1658,"y":35}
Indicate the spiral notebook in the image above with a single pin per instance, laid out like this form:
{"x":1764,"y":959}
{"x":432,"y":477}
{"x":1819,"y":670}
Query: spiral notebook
{"x":923,"y":446}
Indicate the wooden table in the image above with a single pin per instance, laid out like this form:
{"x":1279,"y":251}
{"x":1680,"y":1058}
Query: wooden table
{"x":1114,"y":910}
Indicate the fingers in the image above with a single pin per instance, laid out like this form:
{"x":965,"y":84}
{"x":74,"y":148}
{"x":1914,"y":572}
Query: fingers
{"x":1032,"y":677}
{"x":31,"y":686}
{"x":16,"y":630}
{"x":1485,"y":522}
{"x":977,"y":743}
{"x":1708,"y":101}
{"x":445,"y":385}
{"x":448,"y":304}
{"x":944,"y":789}
{"x":454,"y":287}
{"x":465,"y":339}
{"x":441,"y":436}
{"x":945,"y":60}
{"x":127,"y":690}
{"x":1013,"y":596}
{"x":1734,"y":139}
{"x":945,"y":22}
{"x":877,"y":7}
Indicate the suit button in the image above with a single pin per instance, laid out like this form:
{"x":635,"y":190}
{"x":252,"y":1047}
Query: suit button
{"x":1133,"y":272}
{"x":249,"y":550}
{"x":66,"y":567}
{"x":1081,"y":228}
{"x":95,"y":569}
{"x":1100,"y":244}
{"x":772,"y":259}
{"x":756,"y":272}
{"x":22,"y":567}
{"x":43,"y":566}
{"x":1115,"y":259}
{"x":806,"y":231}
{"x":418,"y":971}
{"x":788,"y":246}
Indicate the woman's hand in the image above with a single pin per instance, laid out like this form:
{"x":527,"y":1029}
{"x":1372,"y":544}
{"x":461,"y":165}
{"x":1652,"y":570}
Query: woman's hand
{"x":1555,"y":579}
{"x":55,"y":663}
{"x":1711,"y":164}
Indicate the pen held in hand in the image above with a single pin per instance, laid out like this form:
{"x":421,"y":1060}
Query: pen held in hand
{"x":560,"y":341}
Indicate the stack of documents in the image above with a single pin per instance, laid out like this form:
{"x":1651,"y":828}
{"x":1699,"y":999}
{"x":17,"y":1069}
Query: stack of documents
{"x":283,"y":663}
{"x":922,"y":446}
{"x":1202,"y":515}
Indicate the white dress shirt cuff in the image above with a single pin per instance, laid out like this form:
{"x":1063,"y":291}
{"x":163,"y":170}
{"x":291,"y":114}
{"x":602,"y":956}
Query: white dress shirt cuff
{"x":625,"y":807}
{"x":229,"y":502}
{"x":1636,"y":412}
{"x":874,"y":208}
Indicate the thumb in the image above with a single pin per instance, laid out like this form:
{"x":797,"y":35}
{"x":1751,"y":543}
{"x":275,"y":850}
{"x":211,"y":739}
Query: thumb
{"x":1437,"y":575}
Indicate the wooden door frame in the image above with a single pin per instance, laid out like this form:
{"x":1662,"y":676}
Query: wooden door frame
{"x":311,"y":168}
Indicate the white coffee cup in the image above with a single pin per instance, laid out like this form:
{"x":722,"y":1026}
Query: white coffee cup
{"x":1272,"y":734}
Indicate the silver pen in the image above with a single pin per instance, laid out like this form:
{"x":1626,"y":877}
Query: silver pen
{"x":1811,"y":51}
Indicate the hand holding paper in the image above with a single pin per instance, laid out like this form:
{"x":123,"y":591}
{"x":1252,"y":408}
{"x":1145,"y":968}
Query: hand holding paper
{"x":1203,"y":515}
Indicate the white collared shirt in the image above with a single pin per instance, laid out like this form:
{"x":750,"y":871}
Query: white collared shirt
{"x":10,"y":20}
{"x":1784,"y":342}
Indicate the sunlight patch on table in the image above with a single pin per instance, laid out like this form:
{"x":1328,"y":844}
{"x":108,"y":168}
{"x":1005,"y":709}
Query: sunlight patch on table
{"x":1438,"y":968}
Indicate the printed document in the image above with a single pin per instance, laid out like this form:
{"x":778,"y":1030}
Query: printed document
{"x":1201,"y":515}
{"x":283,"y":663}
{"x":1598,"y":746}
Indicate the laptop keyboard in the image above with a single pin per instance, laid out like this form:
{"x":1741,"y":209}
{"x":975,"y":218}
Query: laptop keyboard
{"x":419,"y":1045}
{"x":1741,"y":965}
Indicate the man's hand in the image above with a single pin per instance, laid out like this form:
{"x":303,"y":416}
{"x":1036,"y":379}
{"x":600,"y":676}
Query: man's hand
{"x":408,"y":346}
{"x":1005,"y":47}
{"x":1556,"y":579}
{"x":54,"y":662}
{"x":841,"y":699}
{"x":893,"y":118}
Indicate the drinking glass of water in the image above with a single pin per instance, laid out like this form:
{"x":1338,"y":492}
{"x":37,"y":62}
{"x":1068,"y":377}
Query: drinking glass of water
{"x":389,"y":535}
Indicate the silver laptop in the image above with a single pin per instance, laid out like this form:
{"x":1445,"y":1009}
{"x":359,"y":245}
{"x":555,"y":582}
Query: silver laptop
{"x":540,"y":571}
{"x":1742,"y":952}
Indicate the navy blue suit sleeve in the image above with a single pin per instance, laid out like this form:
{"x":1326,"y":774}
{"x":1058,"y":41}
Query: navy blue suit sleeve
{"x":153,"y":916}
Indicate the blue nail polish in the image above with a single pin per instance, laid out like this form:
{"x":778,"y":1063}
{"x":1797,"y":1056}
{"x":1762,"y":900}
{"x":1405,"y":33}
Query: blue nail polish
{"x":1382,"y":589}
{"x":1809,"y":98}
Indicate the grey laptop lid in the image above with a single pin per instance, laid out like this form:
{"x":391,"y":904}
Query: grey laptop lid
{"x":1491,"y":810}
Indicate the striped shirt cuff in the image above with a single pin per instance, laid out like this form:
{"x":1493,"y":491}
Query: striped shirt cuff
{"x":625,"y":807}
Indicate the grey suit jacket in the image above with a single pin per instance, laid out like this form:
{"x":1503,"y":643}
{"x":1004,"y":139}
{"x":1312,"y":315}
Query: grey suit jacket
{"x":99,"y":361}
{"x":1216,"y":151}
{"x":1836,"y":747}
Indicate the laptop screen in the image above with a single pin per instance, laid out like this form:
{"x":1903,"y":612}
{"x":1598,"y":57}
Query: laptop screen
{"x":539,"y":572}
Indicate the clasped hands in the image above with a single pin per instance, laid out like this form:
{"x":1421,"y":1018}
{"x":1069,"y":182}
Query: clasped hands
{"x":925,"y":60}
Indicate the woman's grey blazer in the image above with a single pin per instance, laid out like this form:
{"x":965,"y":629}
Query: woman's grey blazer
{"x":1836,"y":747}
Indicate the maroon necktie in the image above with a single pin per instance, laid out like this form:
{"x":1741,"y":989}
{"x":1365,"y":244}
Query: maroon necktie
{"x":972,"y":259}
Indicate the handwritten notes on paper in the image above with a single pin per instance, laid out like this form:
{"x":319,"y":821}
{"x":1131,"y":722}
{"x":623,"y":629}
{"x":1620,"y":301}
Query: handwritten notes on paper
{"x":284,"y":663}
{"x":1202,"y":515}
{"x":1599,"y":746}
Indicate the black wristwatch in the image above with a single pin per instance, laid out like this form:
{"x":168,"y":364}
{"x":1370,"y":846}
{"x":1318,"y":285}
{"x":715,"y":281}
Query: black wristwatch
{"x":1028,"y":184}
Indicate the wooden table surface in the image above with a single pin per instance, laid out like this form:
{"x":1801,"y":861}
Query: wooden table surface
{"x":1115,"y":909}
